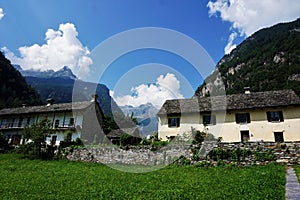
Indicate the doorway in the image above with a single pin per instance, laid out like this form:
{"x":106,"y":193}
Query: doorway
{"x":245,"y":136}
{"x":278,"y":136}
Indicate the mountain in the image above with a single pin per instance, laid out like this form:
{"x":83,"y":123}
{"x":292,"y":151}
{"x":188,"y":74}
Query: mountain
{"x":65,"y":73}
{"x":59,"y":85}
{"x":267,"y":60}
{"x":145,"y":115}
{"x":14,"y":91}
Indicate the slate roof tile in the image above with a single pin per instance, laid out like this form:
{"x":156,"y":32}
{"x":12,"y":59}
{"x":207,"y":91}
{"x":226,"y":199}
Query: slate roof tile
{"x":230,"y":102}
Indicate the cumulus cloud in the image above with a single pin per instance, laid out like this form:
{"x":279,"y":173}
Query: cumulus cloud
{"x":230,"y":46}
{"x":166,"y":87}
{"x":62,"y":48}
{"x":1,"y":13}
{"x":249,"y":16}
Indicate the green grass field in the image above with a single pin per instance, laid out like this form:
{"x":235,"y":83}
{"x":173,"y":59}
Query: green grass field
{"x":37,"y":179}
{"x":297,"y":171}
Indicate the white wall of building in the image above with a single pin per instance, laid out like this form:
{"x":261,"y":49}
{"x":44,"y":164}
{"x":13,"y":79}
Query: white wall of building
{"x":226,"y":127}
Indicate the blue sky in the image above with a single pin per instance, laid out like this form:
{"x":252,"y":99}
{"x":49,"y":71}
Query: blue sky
{"x":49,"y":34}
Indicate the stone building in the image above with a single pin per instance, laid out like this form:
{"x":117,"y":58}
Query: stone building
{"x":81,"y":119}
{"x":260,"y":116}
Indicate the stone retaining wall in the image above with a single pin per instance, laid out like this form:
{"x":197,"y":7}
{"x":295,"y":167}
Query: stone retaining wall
{"x":287,"y":153}
{"x":139,"y":155}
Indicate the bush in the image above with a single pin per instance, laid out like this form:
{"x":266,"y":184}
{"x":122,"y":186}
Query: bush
{"x":3,"y":142}
{"x":264,"y":155}
{"x":127,"y":139}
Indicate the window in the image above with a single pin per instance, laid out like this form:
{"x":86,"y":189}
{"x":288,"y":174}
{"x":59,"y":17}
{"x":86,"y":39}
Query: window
{"x":245,"y":136}
{"x":12,"y":123}
{"x":71,"y":122}
{"x":20,"y":122}
{"x":209,"y":120}
{"x":28,"y":121}
{"x":278,"y":136}
{"x":275,"y":116}
{"x":242,"y":118}
{"x":174,"y":122}
{"x":56,"y":124}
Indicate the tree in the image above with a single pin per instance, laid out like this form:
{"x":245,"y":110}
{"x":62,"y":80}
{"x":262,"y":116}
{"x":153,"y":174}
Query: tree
{"x":38,"y":132}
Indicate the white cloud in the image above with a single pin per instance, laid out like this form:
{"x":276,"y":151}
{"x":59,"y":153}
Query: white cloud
{"x":249,"y":16}
{"x":1,"y":13}
{"x":166,"y":87}
{"x":230,"y":46}
{"x":62,"y":48}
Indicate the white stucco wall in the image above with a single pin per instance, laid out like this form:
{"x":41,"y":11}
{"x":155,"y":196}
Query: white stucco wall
{"x":259,"y":128}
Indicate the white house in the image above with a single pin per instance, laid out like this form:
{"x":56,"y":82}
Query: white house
{"x":267,"y":116}
{"x":82,"y":119}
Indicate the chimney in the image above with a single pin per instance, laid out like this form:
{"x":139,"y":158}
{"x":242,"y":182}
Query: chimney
{"x":247,"y":90}
{"x":94,"y":98}
{"x":50,"y":102}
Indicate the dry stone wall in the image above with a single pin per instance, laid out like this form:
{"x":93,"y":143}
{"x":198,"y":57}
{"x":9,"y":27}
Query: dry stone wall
{"x":286,"y":153}
{"x":138,"y":155}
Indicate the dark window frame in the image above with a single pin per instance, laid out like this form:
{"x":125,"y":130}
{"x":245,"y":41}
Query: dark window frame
{"x":242,"y":118}
{"x":72,"y":121}
{"x":56,"y":123}
{"x":209,"y":118}
{"x":173,"y":122}
{"x":275,"y":116}
{"x":279,"y":137}
{"x":20,"y":122}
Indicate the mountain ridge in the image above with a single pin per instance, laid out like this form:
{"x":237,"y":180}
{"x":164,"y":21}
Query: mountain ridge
{"x":145,"y":115}
{"x":60,"y":86}
{"x":14,"y":91}
{"x":64,"y":72}
{"x":267,"y":60}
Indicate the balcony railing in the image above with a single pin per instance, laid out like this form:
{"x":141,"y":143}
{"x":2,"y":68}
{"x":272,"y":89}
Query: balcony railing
{"x":16,"y":125}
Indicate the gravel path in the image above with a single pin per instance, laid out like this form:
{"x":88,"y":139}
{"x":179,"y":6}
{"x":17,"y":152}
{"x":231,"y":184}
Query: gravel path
{"x":292,"y":187}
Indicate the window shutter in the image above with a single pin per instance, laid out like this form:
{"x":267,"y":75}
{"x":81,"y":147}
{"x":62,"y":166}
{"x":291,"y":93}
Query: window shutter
{"x":169,"y":122}
{"x":178,"y":122}
{"x":237,"y":118}
{"x":248,"y":117}
{"x":269,"y":117}
{"x":280,"y":116}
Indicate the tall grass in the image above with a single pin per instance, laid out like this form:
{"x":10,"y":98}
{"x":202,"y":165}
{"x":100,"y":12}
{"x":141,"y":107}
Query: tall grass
{"x":297,"y":171}
{"x":37,"y":179}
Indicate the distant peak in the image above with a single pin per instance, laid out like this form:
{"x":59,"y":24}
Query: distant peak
{"x":66,"y":68}
{"x":17,"y":67}
{"x":64,"y":72}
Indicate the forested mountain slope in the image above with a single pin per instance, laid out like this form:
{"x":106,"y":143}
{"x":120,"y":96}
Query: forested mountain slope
{"x":267,"y":60}
{"x":14,"y":91}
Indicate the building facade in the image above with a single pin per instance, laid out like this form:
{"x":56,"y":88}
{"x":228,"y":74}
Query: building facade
{"x":261,"y":116}
{"x":81,"y":119}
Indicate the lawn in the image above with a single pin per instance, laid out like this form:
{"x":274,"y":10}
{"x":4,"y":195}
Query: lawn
{"x":297,"y":171}
{"x":37,"y":179}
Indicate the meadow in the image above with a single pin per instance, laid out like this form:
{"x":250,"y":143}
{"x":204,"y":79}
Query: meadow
{"x":297,"y":171}
{"x":60,"y":179}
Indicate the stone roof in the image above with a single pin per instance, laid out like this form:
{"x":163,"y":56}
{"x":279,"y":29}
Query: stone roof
{"x":115,"y":133}
{"x":231,"y":102}
{"x":46,"y":108}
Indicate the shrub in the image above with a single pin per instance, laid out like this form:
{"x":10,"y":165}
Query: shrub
{"x":3,"y":142}
{"x":127,"y":139}
{"x":264,"y":155}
